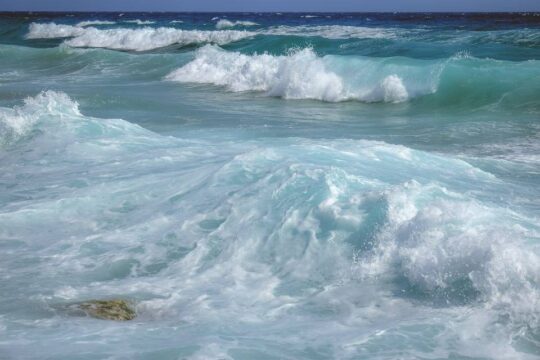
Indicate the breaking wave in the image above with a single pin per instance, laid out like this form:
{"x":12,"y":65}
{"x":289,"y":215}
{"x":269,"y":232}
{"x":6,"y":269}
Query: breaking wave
{"x":52,"y":31}
{"x":280,"y":229}
{"x":459,"y":81}
{"x":300,"y":75}
{"x":95,"y":22}
{"x":335,"y":31}
{"x":524,"y":38}
{"x":224,"y":23}
{"x":132,"y":39}
{"x":20,"y":122}
{"x":55,"y":115}
{"x":140,"y":22}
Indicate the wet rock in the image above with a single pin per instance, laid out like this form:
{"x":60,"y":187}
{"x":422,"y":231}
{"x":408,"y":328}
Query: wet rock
{"x":115,"y":309}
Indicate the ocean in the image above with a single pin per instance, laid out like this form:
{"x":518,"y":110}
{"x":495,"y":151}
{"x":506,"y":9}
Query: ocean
{"x":270,"y":185}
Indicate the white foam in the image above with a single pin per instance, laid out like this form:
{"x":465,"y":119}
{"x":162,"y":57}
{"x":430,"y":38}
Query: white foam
{"x":224,"y":23}
{"x":271,"y":226}
{"x":299,"y":75}
{"x":19,"y":122}
{"x":132,"y":39}
{"x":439,"y":240}
{"x":52,"y":31}
{"x":140,"y":22}
{"x":334,"y":31}
{"x":176,"y":22}
{"x":392,"y":89}
{"x":95,"y":22}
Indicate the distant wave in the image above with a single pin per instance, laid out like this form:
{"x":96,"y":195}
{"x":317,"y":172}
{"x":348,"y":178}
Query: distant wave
{"x":224,"y":23}
{"x":52,"y":30}
{"x":299,"y":75}
{"x":140,"y":22}
{"x":95,"y":22}
{"x":132,"y":39}
{"x":335,"y":31}
{"x":523,"y":38}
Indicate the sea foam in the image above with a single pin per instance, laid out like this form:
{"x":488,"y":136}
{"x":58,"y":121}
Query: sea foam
{"x":20,"y":121}
{"x":300,"y":75}
{"x":95,"y":22}
{"x":335,"y":31}
{"x":453,"y":250}
{"x":272,"y":231}
{"x":52,"y":31}
{"x":224,"y":23}
{"x":132,"y":39}
{"x":140,"y":22}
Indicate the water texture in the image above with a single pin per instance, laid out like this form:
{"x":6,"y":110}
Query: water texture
{"x":271,"y":186}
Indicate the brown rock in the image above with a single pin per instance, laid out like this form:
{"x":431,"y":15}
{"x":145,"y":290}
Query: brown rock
{"x":115,"y":309}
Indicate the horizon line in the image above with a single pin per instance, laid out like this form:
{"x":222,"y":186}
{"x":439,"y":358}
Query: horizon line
{"x":273,"y":12}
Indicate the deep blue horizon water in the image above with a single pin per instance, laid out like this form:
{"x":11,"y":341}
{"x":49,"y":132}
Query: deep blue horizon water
{"x":271,"y":185}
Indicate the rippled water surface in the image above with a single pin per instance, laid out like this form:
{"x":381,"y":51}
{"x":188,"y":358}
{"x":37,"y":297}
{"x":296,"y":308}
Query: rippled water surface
{"x":271,"y":186}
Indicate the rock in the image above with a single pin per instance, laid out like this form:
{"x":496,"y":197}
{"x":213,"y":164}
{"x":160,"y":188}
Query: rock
{"x":115,"y":309}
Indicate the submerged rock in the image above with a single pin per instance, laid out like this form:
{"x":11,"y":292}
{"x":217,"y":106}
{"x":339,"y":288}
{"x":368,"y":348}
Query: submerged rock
{"x":115,"y":309}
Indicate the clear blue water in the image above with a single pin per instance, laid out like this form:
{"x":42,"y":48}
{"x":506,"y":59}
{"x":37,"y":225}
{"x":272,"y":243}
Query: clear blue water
{"x":271,"y":186}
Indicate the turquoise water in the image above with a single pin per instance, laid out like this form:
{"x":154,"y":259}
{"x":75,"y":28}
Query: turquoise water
{"x":271,"y":186}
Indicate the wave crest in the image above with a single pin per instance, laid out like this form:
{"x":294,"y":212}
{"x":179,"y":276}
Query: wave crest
{"x":143,"y":39}
{"x":335,"y":31}
{"x":20,"y":121}
{"x":299,"y":75}
{"x":57,"y":117}
{"x":140,"y":22}
{"x":224,"y":23}
{"x":440,"y":245}
{"x":95,"y":22}
{"x":53,"y":31}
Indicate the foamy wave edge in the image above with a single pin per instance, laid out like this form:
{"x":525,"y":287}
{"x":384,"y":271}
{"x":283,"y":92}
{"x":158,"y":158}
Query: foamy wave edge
{"x":142,"y":39}
{"x":224,"y":23}
{"x":299,"y":75}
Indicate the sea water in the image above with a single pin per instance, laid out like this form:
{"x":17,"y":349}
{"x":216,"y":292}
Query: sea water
{"x":271,"y":186}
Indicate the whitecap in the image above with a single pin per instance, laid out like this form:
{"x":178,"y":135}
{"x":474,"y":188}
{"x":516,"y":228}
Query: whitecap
{"x":20,"y":121}
{"x":53,"y":30}
{"x":132,"y":39}
{"x":335,"y":31}
{"x":140,"y":22}
{"x":224,"y":23}
{"x":95,"y":22}
{"x":300,"y":75}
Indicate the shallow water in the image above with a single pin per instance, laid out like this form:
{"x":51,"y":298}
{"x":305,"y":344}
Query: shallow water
{"x":266,"y":186}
